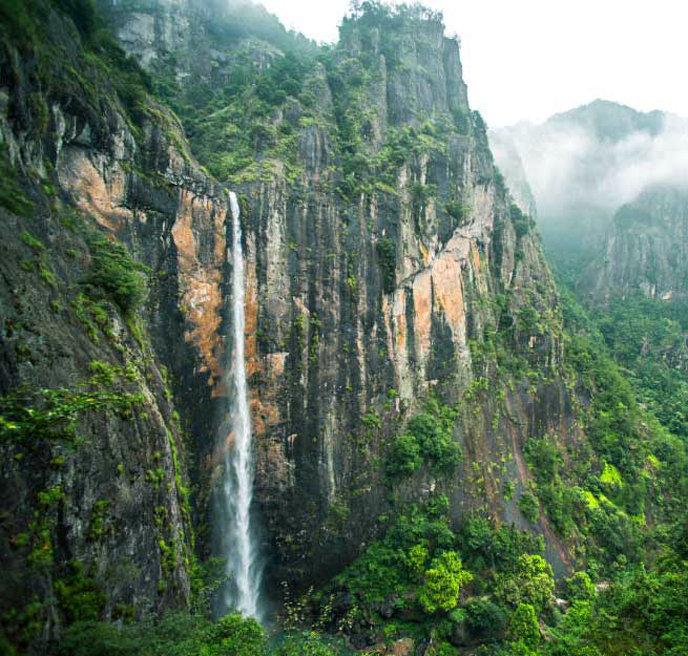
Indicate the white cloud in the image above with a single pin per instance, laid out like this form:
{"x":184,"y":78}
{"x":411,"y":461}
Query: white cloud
{"x":569,"y":168}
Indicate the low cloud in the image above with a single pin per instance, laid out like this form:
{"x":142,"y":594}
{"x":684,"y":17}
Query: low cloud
{"x":570,"y":166}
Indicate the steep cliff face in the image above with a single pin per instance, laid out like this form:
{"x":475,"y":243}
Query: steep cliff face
{"x":645,"y":249}
{"x":377,"y":267}
{"x":112,"y":266}
{"x":389,"y":276}
{"x":385,"y":264}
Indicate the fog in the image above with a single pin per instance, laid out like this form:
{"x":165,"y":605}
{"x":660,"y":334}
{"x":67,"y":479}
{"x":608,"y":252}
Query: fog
{"x":570,"y":166}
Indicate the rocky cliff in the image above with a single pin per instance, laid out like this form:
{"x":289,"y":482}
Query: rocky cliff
{"x":389,"y":276}
{"x":382,"y":249}
{"x":112,"y":265}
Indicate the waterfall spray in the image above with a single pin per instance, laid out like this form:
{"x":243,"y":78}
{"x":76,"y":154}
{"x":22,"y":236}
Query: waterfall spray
{"x":243,"y":567}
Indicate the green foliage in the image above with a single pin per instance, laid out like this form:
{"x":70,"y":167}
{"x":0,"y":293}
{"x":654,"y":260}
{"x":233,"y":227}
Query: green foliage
{"x":387,"y":257}
{"x":642,"y":613}
{"x":389,"y":20}
{"x":32,"y":242}
{"x":92,"y":314}
{"x":307,"y":643}
{"x":429,"y":438}
{"x":546,"y":461}
{"x":89,"y":77}
{"x":523,"y":625}
{"x":641,"y":466}
{"x":530,"y":507}
{"x":176,"y":633}
{"x":531,"y":583}
{"x":443,"y":582}
{"x":282,"y":79}
{"x":486,"y":620}
{"x":396,"y":564}
{"x":523,"y":224}
{"x":456,"y":210}
{"x":610,"y":477}
{"x":648,"y":338}
{"x":79,"y":596}
{"x":12,"y":195}
{"x":486,"y":546}
{"x":31,"y":417}
{"x":579,"y":587}
{"x":405,"y":456}
{"x":115,"y":275}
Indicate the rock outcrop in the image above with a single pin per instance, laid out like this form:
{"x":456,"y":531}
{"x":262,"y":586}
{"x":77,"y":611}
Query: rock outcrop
{"x":95,"y":483}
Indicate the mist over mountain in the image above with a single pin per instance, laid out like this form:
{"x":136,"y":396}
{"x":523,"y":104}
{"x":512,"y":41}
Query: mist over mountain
{"x":582,"y":165}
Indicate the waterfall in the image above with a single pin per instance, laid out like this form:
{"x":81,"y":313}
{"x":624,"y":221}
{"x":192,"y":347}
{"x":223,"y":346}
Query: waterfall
{"x":243,"y":567}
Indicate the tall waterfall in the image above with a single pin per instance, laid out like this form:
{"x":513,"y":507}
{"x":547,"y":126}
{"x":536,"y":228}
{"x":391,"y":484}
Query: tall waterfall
{"x":243,"y":566}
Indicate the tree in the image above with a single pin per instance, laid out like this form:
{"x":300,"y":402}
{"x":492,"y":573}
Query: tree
{"x":404,"y":458}
{"x":529,"y":506}
{"x":523,"y":625}
{"x":532,"y":583}
{"x":579,"y":587}
{"x":443,"y":582}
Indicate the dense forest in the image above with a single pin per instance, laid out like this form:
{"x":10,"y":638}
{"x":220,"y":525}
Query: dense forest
{"x":462,"y":442}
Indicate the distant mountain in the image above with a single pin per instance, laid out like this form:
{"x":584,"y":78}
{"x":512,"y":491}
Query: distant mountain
{"x":511,"y":167}
{"x":610,"y":121}
{"x":583,"y":164}
{"x":646,"y":249}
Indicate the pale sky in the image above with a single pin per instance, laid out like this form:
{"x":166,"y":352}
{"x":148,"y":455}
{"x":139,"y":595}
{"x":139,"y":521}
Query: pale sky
{"x":528,"y":59}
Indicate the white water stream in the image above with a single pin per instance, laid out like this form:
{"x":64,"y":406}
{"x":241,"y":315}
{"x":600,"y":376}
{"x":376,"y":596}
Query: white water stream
{"x":243,"y":566}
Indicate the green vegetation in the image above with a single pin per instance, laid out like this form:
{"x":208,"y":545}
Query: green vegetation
{"x":529,"y":506}
{"x":523,"y":224}
{"x":442,"y":583}
{"x":648,"y":338}
{"x":179,"y":633}
{"x":427,"y":581}
{"x":12,"y":195}
{"x":615,"y":494}
{"x":387,"y":257}
{"x":175,"y":633}
{"x":428,"y":439}
{"x":115,"y":275}
{"x":32,"y":416}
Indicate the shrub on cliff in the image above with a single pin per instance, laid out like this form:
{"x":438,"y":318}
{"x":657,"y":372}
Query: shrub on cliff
{"x":179,"y":633}
{"x":429,"y":439}
{"x":532,"y":583}
{"x":443,"y":582}
{"x":115,"y":275}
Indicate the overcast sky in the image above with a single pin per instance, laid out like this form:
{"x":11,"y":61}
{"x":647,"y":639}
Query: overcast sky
{"x":528,"y":59}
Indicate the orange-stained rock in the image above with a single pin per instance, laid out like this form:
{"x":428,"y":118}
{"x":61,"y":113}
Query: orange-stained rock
{"x":103,"y":200}
{"x":448,"y":292}
{"x":201,"y":281}
{"x":422,"y":308}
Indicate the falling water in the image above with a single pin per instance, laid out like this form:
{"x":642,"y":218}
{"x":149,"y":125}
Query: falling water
{"x":243,"y":566}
